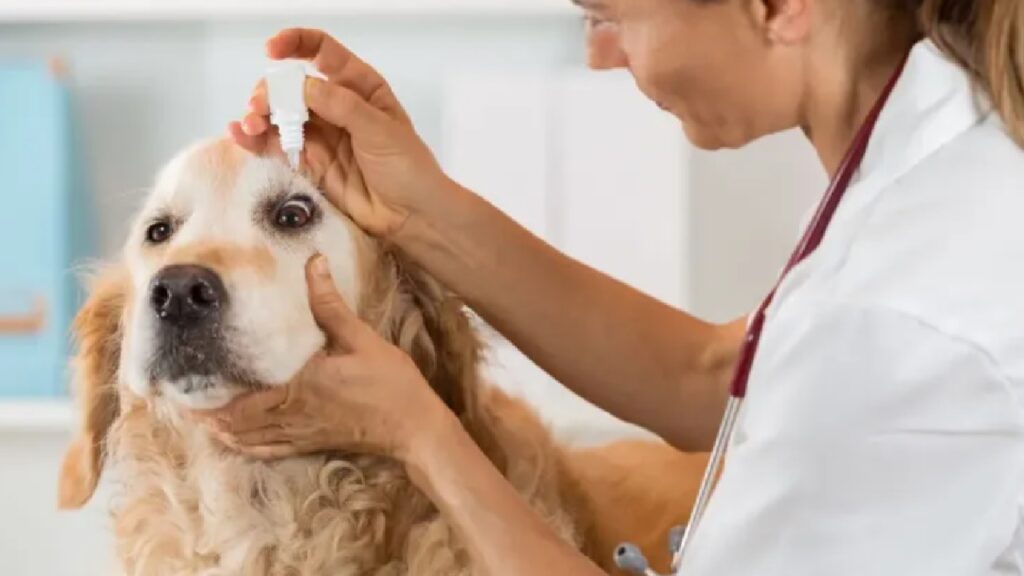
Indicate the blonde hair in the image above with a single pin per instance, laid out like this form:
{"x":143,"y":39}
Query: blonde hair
{"x":987,"y":38}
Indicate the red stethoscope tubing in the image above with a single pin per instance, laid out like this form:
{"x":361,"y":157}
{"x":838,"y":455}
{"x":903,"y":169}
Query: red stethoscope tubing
{"x":808,"y":243}
{"x":813,"y":234}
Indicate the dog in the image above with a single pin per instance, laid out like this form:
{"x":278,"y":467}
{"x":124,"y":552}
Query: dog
{"x":209,"y":302}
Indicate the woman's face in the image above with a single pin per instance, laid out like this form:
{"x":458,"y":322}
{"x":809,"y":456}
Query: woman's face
{"x":714,"y":64}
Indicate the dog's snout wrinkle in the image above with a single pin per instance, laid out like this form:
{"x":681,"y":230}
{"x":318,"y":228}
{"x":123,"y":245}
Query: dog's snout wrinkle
{"x":187,"y":294}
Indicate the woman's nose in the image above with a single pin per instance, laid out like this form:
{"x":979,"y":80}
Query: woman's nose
{"x":604,"y":51}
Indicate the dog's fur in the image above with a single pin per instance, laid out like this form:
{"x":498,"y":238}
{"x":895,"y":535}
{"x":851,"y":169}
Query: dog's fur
{"x":187,"y":505}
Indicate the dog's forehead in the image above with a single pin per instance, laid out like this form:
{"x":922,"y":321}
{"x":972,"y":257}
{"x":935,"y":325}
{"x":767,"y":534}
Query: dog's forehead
{"x":217,"y":173}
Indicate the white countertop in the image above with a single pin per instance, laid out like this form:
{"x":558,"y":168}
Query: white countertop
{"x":35,"y":415}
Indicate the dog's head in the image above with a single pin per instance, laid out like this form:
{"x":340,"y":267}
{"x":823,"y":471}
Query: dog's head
{"x":211,"y":301}
{"x":217,"y":301}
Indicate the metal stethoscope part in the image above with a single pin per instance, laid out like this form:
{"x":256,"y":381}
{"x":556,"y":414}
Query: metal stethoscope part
{"x":630,"y":558}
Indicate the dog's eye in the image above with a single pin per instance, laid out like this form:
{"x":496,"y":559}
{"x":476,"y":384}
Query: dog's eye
{"x":159,"y":232}
{"x":294,"y":214}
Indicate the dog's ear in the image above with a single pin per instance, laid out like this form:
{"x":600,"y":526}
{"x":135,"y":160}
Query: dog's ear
{"x":413,"y":311}
{"x":449,"y":351}
{"x":452,"y":344}
{"x":97,"y":329}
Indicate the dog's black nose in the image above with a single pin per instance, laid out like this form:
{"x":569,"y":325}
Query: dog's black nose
{"x":187,"y":294}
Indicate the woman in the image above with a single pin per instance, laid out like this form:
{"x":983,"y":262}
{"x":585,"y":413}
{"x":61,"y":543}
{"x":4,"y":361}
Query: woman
{"x":884,"y":429}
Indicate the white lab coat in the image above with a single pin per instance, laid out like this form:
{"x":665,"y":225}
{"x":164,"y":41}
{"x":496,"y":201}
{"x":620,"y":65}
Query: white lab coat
{"x":883,"y":432}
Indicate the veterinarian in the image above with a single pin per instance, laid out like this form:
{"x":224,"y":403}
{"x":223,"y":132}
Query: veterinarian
{"x":883,"y":432}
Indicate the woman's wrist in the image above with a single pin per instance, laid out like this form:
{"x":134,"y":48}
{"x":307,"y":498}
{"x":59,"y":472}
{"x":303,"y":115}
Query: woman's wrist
{"x":433,"y":437}
{"x":436,"y":229}
{"x":421,"y":214}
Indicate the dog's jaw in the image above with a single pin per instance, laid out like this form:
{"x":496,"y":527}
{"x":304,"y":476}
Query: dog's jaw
{"x":201,"y":392}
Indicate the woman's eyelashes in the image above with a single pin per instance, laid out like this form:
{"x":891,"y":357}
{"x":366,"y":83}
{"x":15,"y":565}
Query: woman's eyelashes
{"x":594,"y":21}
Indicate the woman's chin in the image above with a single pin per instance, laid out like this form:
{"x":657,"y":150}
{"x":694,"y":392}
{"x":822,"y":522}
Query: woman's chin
{"x":699,"y":136}
{"x":705,"y":139}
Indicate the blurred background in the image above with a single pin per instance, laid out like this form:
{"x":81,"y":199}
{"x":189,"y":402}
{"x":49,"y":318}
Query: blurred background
{"x":95,"y":95}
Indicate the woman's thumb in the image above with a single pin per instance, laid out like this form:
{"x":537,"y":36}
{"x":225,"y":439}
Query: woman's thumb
{"x":329,"y":309}
{"x":344,"y":108}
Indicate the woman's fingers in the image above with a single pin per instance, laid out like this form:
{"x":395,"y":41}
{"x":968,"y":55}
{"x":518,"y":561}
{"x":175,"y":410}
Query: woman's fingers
{"x":270,"y":452}
{"x":254,"y":124}
{"x":250,"y":412}
{"x":342,"y":327}
{"x":258,"y":103}
{"x":260,"y":451}
{"x":327,"y":131}
{"x":338,"y":64}
{"x":332,"y":59}
{"x":355,"y":97}
{"x":328,"y":163}
{"x":345,"y":108}
{"x":271,"y":434}
{"x":256,"y":144}
{"x":256,"y":120}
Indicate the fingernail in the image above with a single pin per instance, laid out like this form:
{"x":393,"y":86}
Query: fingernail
{"x":320,"y":268}
{"x":307,"y":89}
{"x":312,"y":86}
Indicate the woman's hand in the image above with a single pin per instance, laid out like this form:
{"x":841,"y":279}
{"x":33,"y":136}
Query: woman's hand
{"x":361,"y":148}
{"x":361,"y":393}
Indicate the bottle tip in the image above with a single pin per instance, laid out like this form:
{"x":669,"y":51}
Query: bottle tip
{"x":293,"y":158}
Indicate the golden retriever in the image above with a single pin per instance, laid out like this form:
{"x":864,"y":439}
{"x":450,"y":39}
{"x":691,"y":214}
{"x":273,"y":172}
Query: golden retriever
{"x":209,"y":302}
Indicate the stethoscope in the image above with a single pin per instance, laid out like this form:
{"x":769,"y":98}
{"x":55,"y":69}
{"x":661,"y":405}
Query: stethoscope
{"x":627,"y":556}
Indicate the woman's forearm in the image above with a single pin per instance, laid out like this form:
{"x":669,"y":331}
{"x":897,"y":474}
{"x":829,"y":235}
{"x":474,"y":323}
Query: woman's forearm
{"x":504,"y":536}
{"x":634,"y":356}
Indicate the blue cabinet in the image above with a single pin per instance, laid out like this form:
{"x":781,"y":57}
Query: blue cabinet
{"x":45,"y":229}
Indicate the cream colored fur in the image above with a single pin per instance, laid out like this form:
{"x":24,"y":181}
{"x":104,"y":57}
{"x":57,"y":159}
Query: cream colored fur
{"x":189,"y":507}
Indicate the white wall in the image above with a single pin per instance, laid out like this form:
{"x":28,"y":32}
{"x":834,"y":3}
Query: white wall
{"x":747,"y":210}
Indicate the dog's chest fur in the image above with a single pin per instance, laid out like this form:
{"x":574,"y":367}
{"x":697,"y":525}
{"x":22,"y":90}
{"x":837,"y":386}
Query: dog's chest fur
{"x":193,"y":508}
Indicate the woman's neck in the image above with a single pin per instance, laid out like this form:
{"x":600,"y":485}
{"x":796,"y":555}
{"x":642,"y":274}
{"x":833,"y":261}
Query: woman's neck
{"x":844,"y":86}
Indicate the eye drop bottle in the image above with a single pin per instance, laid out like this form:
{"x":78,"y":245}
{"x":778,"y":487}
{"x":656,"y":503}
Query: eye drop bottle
{"x":285,"y":93}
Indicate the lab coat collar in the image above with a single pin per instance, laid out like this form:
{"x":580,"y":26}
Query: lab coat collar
{"x":933,"y":102}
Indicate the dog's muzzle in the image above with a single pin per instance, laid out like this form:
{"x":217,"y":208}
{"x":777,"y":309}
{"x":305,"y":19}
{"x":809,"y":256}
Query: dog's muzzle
{"x":189,"y":303}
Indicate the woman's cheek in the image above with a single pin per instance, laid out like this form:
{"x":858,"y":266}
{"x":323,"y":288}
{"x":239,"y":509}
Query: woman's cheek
{"x":644,"y":62}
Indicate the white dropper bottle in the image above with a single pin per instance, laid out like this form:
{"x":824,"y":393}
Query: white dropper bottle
{"x":286,"y":96}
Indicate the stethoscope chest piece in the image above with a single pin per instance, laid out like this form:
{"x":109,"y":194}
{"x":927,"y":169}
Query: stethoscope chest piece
{"x":629,"y":558}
